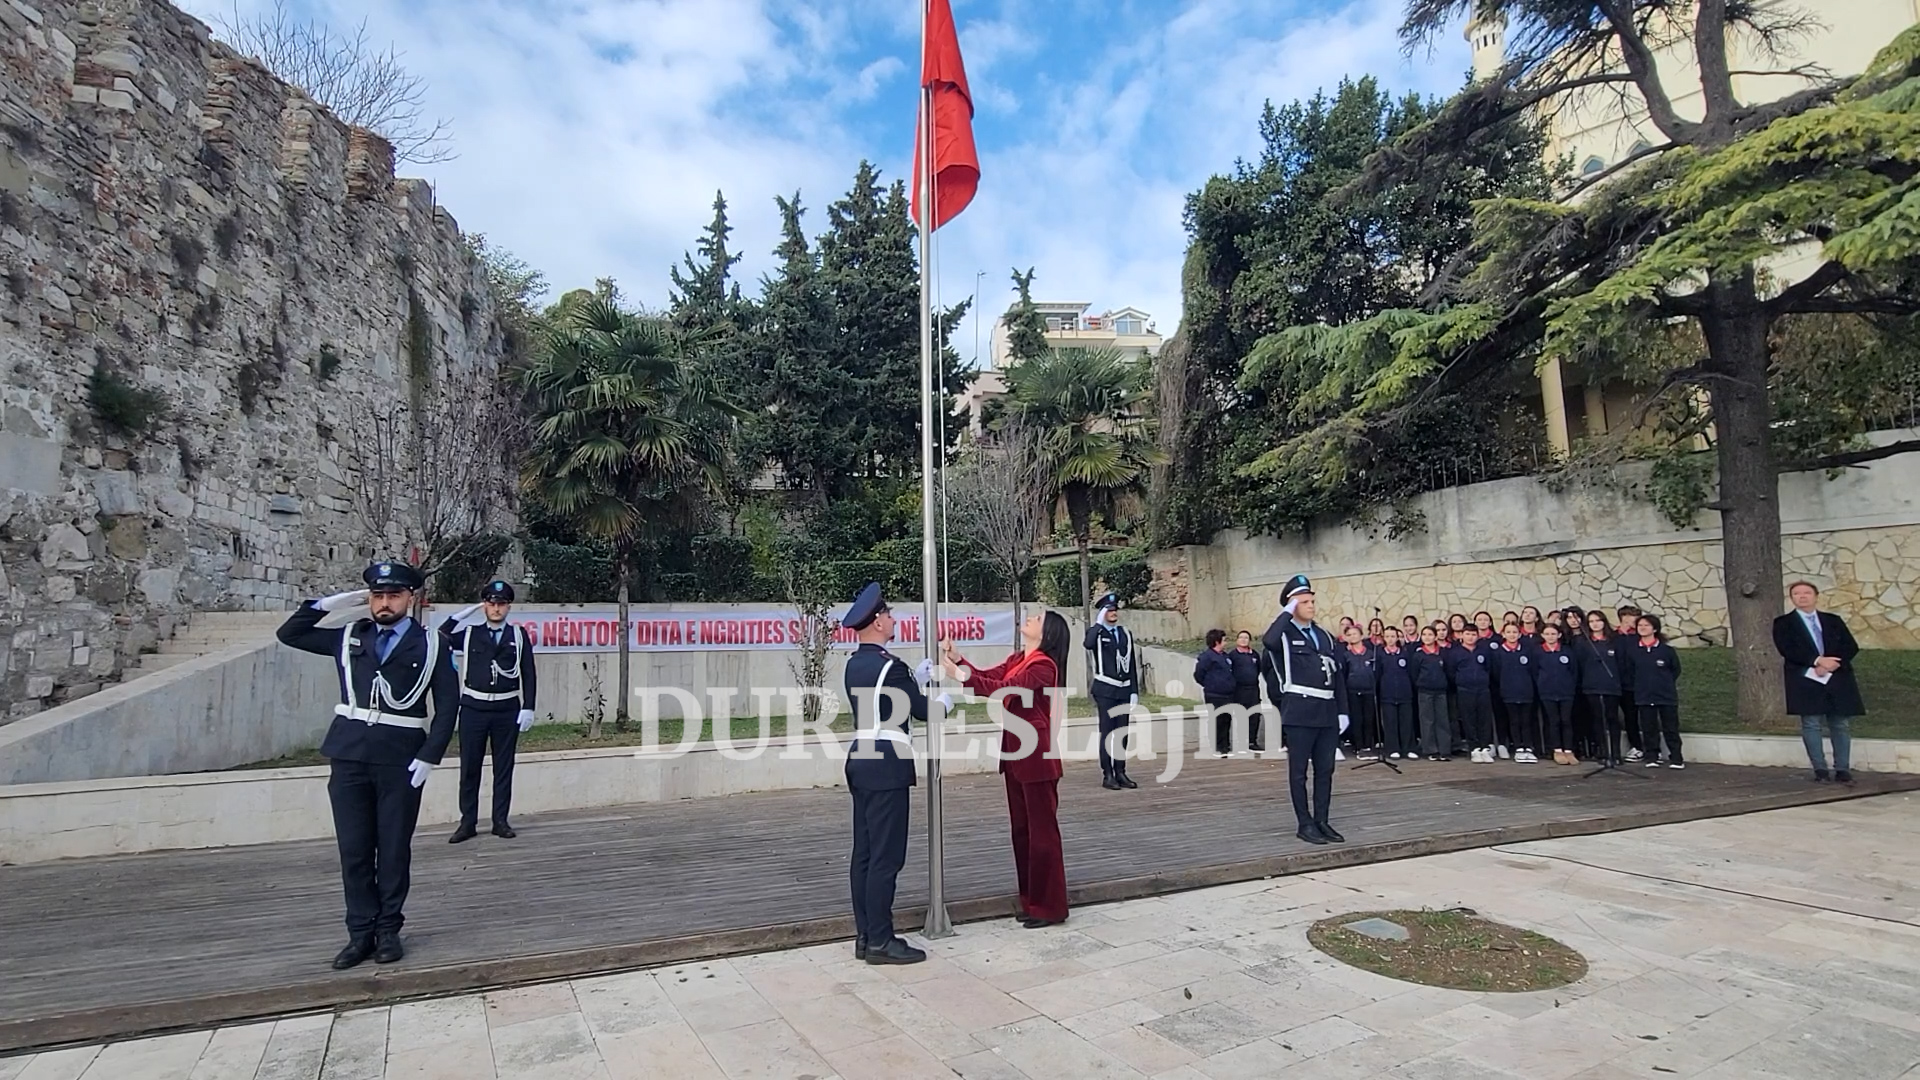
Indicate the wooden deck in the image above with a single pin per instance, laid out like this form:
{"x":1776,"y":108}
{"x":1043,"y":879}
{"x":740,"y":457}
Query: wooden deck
{"x":107,"y":947}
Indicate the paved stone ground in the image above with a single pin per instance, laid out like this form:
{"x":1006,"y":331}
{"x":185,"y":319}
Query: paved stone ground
{"x":1775,"y":946}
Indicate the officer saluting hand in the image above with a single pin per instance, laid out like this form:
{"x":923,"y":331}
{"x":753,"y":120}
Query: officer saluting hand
{"x":381,"y":745}
{"x":497,"y":680}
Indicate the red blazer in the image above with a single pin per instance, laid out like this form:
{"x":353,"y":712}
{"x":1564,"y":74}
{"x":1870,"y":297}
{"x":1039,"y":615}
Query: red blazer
{"x":1035,"y":672}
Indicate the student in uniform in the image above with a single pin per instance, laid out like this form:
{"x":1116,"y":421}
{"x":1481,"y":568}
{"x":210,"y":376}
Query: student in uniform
{"x":1214,"y":672}
{"x":1470,"y":668}
{"x":1600,"y":661}
{"x":1363,"y":692}
{"x":1410,"y":632}
{"x":1656,"y":692}
{"x":1483,"y":623}
{"x":1376,"y":632}
{"x":1586,"y":737}
{"x":1556,"y":680}
{"x":1530,"y":623}
{"x":1457,"y":733}
{"x":1513,"y":680}
{"x":1456,"y":622}
{"x":1246,"y":681}
{"x":1626,"y":635}
{"x":1431,"y":684}
{"x":1402,"y":731}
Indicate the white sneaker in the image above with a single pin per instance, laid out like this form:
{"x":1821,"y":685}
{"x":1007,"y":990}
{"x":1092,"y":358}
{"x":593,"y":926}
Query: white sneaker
{"x":1501,"y":750}
{"x":1633,"y":755}
{"x":1222,"y":756}
{"x":1393,"y":757}
{"x":1338,"y":754}
{"x":1477,"y":756}
{"x":1523,"y":757}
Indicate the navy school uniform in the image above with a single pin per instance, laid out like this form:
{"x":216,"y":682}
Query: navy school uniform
{"x":1623,"y":644}
{"x":1600,"y":663}
{"x":1363,"y":694}
{"x":1655,"y":679}
{"x":498,"y":678}
{"x":1513,"y":684}
{"x":1432,"y":686}
{"x":1400,"y":730}
{"x":1556,"y":678}
{"x":880,"y":776}
{"x":379,"y":728}
{"x":1472,"y":673}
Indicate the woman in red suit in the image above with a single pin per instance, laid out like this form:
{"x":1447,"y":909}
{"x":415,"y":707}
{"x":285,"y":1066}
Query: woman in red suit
{"x":1033,"y":778}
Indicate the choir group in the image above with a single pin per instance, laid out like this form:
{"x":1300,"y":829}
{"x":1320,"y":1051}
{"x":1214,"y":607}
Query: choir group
{"x":1564,"y":687}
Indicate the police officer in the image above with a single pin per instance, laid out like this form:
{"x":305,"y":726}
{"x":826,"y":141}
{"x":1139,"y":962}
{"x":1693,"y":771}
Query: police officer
{"x":1116,"y":685}
{"x":381,"y":744}
{"x":1306,"y":681}
{"x":884,"y":690}
{"x":497,"y":680}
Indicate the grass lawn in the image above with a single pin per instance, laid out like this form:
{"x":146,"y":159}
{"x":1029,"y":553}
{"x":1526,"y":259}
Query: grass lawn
{"x":745,"y":729}
{"x":1889,"y":682}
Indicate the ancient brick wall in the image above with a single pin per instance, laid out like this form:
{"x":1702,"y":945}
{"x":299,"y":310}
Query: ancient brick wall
{"x":174,"y":216}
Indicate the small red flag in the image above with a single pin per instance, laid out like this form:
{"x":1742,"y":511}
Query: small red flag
{"x":956,"y":165}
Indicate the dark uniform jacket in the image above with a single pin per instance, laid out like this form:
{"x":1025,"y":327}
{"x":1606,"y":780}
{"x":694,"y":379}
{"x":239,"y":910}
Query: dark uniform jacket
{"x":1396,"y":676}
{"x":1470,"y":669}
{"x":1601,"y":664}
{"x":1213,"y":670}
{"x":1656,"y":673}
{"x":1840,"y":696}
{"x":1116,"y":663}
{"x":1363,"y":669}
{"x":1246,"y":672}
{"x":1513,"y":672}
{"x":1305,"y":679}
{"x":487,"y":671}
{"x":880,"y":763}
{"x":1556,"y":674}
{"x":352,"y":737}
{"x":1430,"y":674}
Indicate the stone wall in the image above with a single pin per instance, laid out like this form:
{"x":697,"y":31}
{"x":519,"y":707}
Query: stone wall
{"x":1500,"y":545}
{"x":174,"y":215}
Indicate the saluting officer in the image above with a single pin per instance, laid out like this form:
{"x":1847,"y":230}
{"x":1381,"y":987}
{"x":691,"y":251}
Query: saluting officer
{"x":381,"y":745}
{"x":1116,"y":685}
{"x":1308,"y":684}
{"x":880,"y":775}
{"x":497,"y":681}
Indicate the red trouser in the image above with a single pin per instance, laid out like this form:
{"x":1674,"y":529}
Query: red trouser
{"x":1041,"y":868}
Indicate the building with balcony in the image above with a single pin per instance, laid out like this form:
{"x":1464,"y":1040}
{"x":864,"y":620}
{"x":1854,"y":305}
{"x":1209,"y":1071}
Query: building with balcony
{"x":1129,"y":331}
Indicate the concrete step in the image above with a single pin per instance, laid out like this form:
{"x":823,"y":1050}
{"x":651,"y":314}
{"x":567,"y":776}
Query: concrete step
{"x":162,"y":661}
{"x":214,"y":642}
{"x":235,"y":620}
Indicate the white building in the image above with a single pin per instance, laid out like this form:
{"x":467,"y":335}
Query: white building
{"x":1128,"y":331}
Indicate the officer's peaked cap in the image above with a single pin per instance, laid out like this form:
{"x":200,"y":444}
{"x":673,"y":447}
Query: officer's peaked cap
{"x":865,"y":608}
{"x":1111,"y":600}
{"x":392,"y":574}
{"x":497,"y":591}
{"x":1295,"y":585}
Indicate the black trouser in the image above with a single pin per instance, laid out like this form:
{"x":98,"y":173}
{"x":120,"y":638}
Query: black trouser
{"x":879,"y":851}
{"x":1402,"y":732}
{"x":375,"y":808}
{"x":1310,"y":745}
{"x":1557,"y":718}
{"x":1457,"y":719}
{"x":1632,"y":721}
{"x":1523,"y":727}
{"x":479,"y":726}
{"x":1222,"y":723}
{"x":1114,"y":716}
{"x":1604,"y":709}
{"x":1658,"y":720}
{"x":1476,"y":714}
{"x":1364,"y":730}
{"x":1436,"y":730}
{"x":1508,"y":729}
{"x":1249,"y":696}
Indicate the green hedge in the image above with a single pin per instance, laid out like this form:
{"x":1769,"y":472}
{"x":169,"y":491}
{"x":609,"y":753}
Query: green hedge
{"x":677,"y":587}
{"x":723,"y":567}
{"x":902,"y":559}
{"x":978,"y":580}
{"x":844,"y":578}
{"x":1059,"y":582}
{"x":460,"y":579}
{"x":1125,"y":573}
{"x":570,"y":573}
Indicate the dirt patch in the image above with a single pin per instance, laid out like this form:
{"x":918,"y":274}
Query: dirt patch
{"x":1455,"y":949}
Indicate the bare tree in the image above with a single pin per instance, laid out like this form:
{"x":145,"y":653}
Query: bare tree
{"x":807,"y":592}
{"x":998,"y":494}
{"x":351,"y":76}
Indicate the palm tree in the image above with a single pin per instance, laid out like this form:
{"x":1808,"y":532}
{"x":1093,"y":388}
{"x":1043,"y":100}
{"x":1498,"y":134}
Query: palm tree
{"x":629,"y":440}
{"x":1090,"y":407}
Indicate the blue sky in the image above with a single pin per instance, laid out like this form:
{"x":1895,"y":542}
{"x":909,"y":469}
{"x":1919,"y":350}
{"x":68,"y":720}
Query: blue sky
{"x":592,"y":134}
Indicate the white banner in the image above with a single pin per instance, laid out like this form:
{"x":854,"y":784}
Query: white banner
{"x":595,"y":629}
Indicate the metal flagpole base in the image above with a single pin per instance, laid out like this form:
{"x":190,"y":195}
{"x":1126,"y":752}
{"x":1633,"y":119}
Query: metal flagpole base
{"x":937,"y":924}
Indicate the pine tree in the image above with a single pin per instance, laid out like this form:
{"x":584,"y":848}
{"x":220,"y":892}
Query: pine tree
{"x":1026,"y":330}
{"x":705,"y":297}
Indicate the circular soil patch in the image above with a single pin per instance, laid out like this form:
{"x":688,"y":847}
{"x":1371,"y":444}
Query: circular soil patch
{"x":1455,"y":949}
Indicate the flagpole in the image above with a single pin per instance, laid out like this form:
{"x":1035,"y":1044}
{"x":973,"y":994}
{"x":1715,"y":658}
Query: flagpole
{"x":937,"y":925}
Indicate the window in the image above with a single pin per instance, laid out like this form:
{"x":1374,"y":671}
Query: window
{"x":1053,"y":322}
{"x":1593,"y":165}
{"x":1640,"y":147}
{"x":1127,"y":324}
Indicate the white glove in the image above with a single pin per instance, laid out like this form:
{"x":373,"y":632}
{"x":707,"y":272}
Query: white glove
{"x":923,"y":674}
{"x":946,"y":702}
{"x":526,"y":719}
{"x":465,"y":613}
{"x":343,"y":600}
{"x":1134,"y":700}
{"x":419,"y":769}
{"x":1344,"y":723}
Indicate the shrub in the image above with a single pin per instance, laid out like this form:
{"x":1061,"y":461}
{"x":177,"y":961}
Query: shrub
{"x":978,"y":580}
{"x":767,"y":589}
{"x":121,"y":406}
{"x":678,"y":586}
{"x":570,"y":573}
{"x":1059,"y":582}
{"x":844,"y":578}
{"x":902,"y":559}
{"x":1125,"y":573}
{"x":722,"y":567}
{"x":473,"y":564}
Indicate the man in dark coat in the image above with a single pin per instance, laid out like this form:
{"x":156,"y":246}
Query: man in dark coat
{"x":499,"y":680}
{"x":1308,"y":684}
{"x":381,"y":744}
{"x":1116,"y":685}
{"x":1817,"y":651}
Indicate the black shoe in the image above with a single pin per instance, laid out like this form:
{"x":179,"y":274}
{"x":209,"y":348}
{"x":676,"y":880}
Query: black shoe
{"x":1036,"y":924}
{"x":1843,"y":776}
{"x":896,"y":951}
{"x":504,"y":832}
{"x":463,"y":834}
{"x":358,"y":948}
{"x":1125,"y":780}
{"x":1312,"y":834}
{"x":859,"y":947}
{"x":1820,"y":776}
{"x":386,"y":947}
{"x":1109,"y":782}
{"x":1330,"y":833}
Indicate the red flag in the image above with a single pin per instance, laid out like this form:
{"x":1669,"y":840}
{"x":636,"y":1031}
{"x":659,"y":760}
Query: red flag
{"x":956,"y":165}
